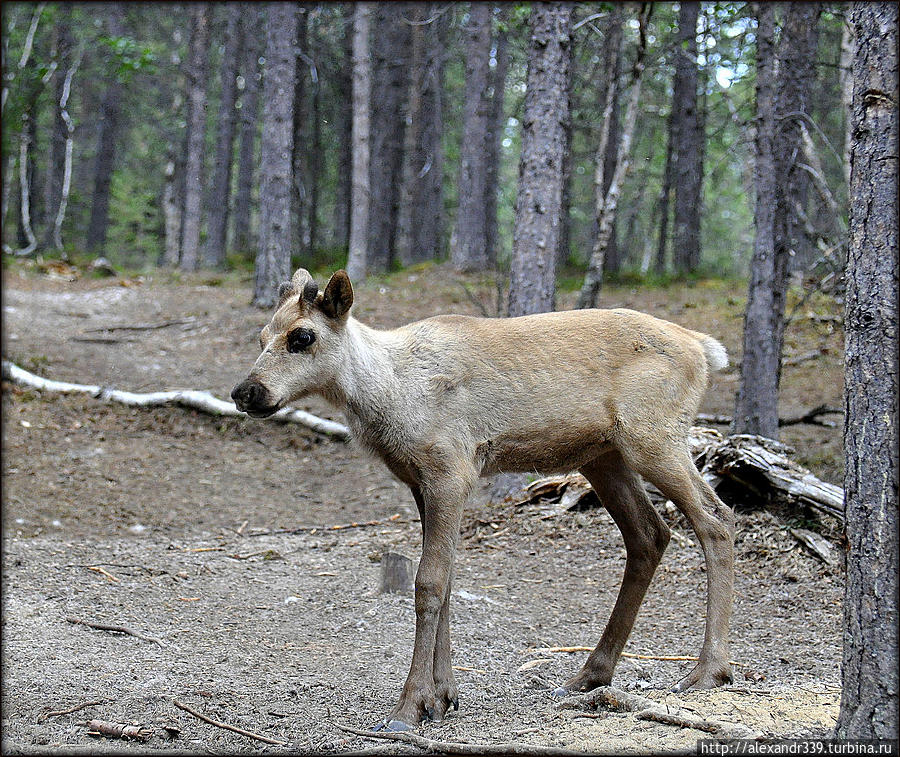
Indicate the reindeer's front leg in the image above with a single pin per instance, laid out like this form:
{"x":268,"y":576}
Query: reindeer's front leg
{"x":430,"y":688}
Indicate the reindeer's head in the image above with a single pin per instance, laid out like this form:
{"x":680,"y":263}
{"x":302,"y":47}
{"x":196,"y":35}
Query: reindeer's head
{"x":301,"y":345}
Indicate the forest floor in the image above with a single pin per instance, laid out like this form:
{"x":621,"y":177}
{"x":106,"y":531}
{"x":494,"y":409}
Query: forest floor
{"x":186,"y":527}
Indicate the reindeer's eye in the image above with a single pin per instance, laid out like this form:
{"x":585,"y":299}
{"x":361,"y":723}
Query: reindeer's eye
{"x":299,"y":339}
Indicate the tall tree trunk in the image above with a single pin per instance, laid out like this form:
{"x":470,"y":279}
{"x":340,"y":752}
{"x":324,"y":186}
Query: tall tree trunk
{"x":59,"y":135}
{"x":663,"y":203}
{"x":357,"y":256}
{"x":198,"y":69}
{"x":344,"y":128}
{"x":496,"y":126}
{"x":110,"y":116}
{"x":273,"y":259}
{"x":301,"y":153}
{"x":687,"y":140}
{"x":606,"y":203}
{"x":220,"y":192}
{"x":66,"y":185}
{"x":249,"y":127}
{"x":532,"y":282}
{"x":755,"y":411}
{"x":869,"y":670}
{"x":777,"y":240}
{"x":469,"y":249}
{"x":315,"y":159}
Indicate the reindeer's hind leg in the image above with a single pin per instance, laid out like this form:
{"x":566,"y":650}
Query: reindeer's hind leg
{"x":646,"y":536}
{"x":673,"y":472}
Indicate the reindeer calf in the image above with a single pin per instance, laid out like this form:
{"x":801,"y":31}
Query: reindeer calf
{"x":442,"y":401}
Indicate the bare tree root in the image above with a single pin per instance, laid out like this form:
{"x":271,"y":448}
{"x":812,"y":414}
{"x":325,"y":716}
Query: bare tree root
{"x":56,"y":713}
{"x":192,"y":398}
{"x":455,"y":747}
{"x":218,"y":724}
{"x":114,"y":629}
{"x":646,"y":709}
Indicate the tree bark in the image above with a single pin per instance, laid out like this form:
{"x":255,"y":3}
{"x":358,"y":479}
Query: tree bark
{"x":249,"y":127}
{"x":110,"y":116}
{"x":273,"y":259}
{"x":469,"y":249}
{"x":606,"y":203}
{"x":389,"y":84}
{"x":496,"y":128}
{"x":198,"y":68}
{"x":663,"y":204}
{"x":870,"y":679}
{"x":539,"y":197}
{"x":220,"y":191}
{"x":344,"y":128}
{"x":300,"y":158}
{"x":357,"y":255}
{"x":60,"y":136}
{"x":687,"y":138}
{"x":756,"y":409}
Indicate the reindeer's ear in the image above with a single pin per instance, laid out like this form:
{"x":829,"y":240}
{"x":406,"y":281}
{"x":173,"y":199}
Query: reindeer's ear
{"x":338,"y":295}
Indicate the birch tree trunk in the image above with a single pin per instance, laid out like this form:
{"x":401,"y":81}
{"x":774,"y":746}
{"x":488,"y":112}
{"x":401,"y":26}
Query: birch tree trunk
{"x":496,"y":126}
{"x":469,"y":249}
{"x":273,"y":259}
{"x":606,"y":203}
{"x":870,"y":679}
{"x":220,"y":191}
{"x":539,"y":198}
{"x":362,"y":93}
{"x":198,"y":66}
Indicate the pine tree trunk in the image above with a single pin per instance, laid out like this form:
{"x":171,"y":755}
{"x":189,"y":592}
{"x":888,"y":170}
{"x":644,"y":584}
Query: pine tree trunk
{"x":301,"y":152}
{"x":756,"y":409}
{"x":469,"y":249}
{"x":273,"y":259}
{"x":344,"y":127}
{"x":663,"y":205}
{"x":357,"y":255}
{"x":869,"y":670}
{"x":110,"y":116}
{"x":220,"y":192}
{"x":687,"y":144}
{"x":198,"y":68}
{"x":390,"y":44}
{"x":539,"y":198}
{"x":496,"y":126}
{"x":249,"y":127}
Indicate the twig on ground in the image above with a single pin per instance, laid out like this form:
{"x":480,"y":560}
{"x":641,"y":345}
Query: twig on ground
{"x":218,"y":724}
{"x":192,"y":398}
{"x":454,"y":747}
{"x":118,"y":730}
{"x":56,"y":713}
{"x":143,"y":326}
{"x":810,"y":417}
{"x":103,"y":571}
{"x":630,"y":655}
{"x":646,"y":709}
{"x":393,"y":520}
{"x":114,"y":629}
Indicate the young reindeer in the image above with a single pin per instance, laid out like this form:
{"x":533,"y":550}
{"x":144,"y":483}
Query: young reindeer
{"x":442,"y":401}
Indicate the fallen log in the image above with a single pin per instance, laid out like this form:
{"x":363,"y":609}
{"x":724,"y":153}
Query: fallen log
{"x":754,"y":465}
{"x":191,"y":398}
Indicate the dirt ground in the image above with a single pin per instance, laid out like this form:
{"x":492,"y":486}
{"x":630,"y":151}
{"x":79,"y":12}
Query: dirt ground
{"x":214,"y":536}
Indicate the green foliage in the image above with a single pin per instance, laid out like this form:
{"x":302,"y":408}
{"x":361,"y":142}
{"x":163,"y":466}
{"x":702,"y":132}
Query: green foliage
{"x":129,"y":57}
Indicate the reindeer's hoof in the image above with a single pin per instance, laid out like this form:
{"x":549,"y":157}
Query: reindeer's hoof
{"x":705,"y":676}
{"x":392,"y":726}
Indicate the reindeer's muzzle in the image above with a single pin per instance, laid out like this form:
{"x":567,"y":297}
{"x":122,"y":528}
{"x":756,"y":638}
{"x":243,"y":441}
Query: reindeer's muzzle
{"x":253,"y":398}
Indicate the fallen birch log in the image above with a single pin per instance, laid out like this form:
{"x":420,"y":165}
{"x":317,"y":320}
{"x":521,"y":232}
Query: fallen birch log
{"x":754,"y":465}
{"x":192,"y":398}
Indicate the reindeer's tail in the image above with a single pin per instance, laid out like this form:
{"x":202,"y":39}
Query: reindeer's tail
{"x":716,"y":356}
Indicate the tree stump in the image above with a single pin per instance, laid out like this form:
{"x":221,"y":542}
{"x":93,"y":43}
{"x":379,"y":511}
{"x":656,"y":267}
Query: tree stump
{"x":397,"y":574}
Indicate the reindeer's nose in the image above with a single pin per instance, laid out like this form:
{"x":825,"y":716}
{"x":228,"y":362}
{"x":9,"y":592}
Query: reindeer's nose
{"x":249,"y":394}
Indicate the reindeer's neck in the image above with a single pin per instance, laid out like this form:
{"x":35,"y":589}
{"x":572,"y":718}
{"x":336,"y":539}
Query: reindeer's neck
{"x":366,"y":385}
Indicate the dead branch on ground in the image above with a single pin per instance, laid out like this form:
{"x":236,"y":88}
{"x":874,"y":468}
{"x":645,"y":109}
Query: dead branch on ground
{"x":218,"y":724}
{"x":392,"y":520}
{"x":113,"y":629}
{"x":56,"y":713}
{"x":811,"y":417}
{"x":118,"y":730}
{"x":646,"y":709}
{"x":143,"y":326}
{"x":455,"y":747}
{"x":192,"y":398}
